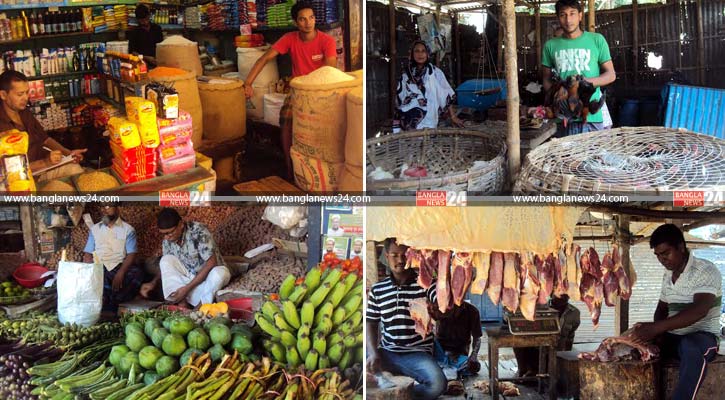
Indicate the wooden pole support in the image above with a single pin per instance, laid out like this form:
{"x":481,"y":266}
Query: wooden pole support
{"x":393,"y":58}
{"x":700,"y":44}
{"x":513,"y":136}
{"x":621,"y":310}
{"x":635,"y":40}
{"x":591,"y":16}
{"x":538,"y":37}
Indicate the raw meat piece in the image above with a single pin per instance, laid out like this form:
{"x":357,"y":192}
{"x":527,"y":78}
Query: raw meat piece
{"x":625,"y":286}
{"x":561,"y":285}
{"x":413,"y":258}
{"x":622,"y":348}
{"x":495,"y":277}
{"x":589,"y":288}
{"x":461,"y":275}
{"x":504,"y":388}
{"x":609,"y":281}
{"x":428,"y":264}
{"x":482,"y":264}
{"x":511,"y":282}
{"x":529,"y":292}
{"x":547,"y":277}
{"x":573,"y":272}
{"x":539,"y":264}
{"x":594,"y":263}
{"x":443,"y":288}
{"x":419,"y":313}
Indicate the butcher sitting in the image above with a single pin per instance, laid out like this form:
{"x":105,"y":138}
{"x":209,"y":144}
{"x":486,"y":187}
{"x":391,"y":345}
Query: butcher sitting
{"x":400,"y":349}
{"x":686,"y":321}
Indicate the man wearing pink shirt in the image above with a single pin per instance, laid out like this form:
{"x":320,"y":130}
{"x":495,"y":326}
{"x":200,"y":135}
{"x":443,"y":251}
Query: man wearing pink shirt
{"x":309,"y":49}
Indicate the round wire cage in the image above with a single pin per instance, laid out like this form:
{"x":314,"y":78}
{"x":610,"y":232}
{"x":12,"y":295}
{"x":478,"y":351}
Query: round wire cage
{"x":454,"y":159}
{"x":636,"y":159}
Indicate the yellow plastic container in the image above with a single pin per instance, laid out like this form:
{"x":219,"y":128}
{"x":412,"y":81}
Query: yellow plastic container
{"x":124,"y":132}
{"x":143,"y":113}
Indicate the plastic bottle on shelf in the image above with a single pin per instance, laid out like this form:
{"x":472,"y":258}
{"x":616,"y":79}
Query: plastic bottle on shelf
{"x":33,"y":25}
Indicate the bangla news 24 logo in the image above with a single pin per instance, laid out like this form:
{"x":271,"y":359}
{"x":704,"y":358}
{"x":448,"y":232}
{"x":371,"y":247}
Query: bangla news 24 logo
{"x":184,"y":198}
{"x":698,"y":198}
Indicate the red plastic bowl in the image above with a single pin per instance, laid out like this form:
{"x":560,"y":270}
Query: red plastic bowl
{"x":28,"y":275}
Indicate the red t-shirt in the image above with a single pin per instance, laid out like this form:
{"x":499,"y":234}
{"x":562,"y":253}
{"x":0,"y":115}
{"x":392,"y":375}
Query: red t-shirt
{"x":306,"y":56}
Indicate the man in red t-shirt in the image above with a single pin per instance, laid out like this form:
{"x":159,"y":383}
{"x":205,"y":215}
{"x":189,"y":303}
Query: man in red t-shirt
{"x":309,"y":49}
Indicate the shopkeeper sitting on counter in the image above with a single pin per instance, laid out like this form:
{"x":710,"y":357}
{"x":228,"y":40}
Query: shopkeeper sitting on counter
{"x":309,"y":49}
{"x":192,"y":268}
{"x":114,"y":243}
{"x":143,"y":39}
{"x":687,"y":319}
{"x":14,"y":114}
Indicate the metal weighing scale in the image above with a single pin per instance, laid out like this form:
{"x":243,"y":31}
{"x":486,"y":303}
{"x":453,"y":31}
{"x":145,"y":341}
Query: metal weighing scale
{"x":546,"y":321}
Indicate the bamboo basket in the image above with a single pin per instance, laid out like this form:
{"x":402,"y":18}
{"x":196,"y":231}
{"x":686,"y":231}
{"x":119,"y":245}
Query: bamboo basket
{"x":625,"y":160}
{"x":448,"y":156}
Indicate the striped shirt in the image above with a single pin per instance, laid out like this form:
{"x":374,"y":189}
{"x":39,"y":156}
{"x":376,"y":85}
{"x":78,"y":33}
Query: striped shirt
{"x":699,"y":276}
{"x":388,"y":306}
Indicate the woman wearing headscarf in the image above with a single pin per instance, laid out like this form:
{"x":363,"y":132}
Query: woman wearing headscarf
{"x":424,"y":94}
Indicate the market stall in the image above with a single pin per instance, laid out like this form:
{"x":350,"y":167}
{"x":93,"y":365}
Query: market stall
{"x":516,"y":258}
{"x":178,"y":120}
{"x":288,"y":324}
{"x":490,"y":55}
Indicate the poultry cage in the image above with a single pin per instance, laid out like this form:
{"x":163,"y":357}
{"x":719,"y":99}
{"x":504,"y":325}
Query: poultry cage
{"x":437,"y":159}
{"x":625,"y":160}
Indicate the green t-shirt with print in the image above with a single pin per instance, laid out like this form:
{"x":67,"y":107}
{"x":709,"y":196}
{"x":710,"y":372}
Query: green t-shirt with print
{"x":580,"y":56}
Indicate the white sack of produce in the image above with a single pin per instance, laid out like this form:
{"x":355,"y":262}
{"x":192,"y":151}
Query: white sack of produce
{"x":246,"y":57}
{"x":286,"y":217}
{"x":272,"y":105}
{"x":178,"y":52}
{"x":319,"y":113}
{"x":80,"y":292}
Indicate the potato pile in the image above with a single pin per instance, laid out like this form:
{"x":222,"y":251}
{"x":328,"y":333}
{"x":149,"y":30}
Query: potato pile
{"x":236,"y":229}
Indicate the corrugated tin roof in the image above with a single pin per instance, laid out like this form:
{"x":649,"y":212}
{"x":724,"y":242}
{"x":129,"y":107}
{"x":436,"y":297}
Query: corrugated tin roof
{"x":698,"y":109}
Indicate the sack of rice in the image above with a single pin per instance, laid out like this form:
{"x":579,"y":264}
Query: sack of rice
{"x":319,"y":113}
{"x":354,"y":135}
{"x":178,"y":52}
{"x":187,"y":87}
{"x":351,"y":179}
{"x":313,"y":174}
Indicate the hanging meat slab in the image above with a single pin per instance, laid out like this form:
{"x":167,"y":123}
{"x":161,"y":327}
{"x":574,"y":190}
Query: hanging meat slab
{"x":595,"y":266}
{"x":573,"y":272}
{"x":623,"y":281}
{"x":413,"y":258}
{"x":609,"y":281}
{"x":543,"y":298}
{"x":419,"y":313}
{"x":622,"y":348}
{"x":495,"y":277}
{"x":428,"y":265}
{"x":589,"y":288}
{"x":529,"y":292}
{"x":561,"y":285}
{"x":443,"y":287}
{"x":461,"y":275}
{"x":482,"y":264}
{"x":511,"y":282}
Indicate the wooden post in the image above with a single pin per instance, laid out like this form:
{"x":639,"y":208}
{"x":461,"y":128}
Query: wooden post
{"x":457,"y":44}
{"x":499,"y":60}
{"x":393,"y":57}
{"x":28,"y":225}
{"x":621,"y":310}
{"x":537,"y":23}
{"x":591,"y":16}
{"x":513,"y":139}
{"x":635,"y":40}
{"x":679,"y":35}
{"x":700,"y":44}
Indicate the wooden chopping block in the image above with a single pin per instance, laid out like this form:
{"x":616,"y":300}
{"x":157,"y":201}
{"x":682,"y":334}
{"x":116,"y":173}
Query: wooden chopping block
{"x":632,"y":380}
{"x":567,"y":364}
{"x":403,"y":390}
